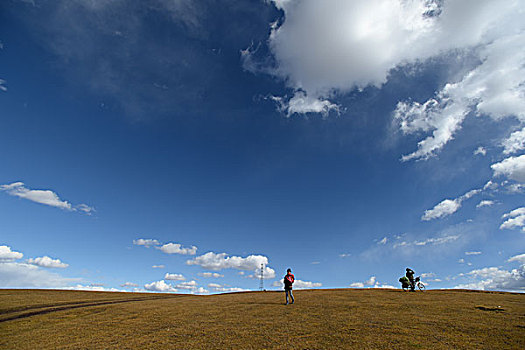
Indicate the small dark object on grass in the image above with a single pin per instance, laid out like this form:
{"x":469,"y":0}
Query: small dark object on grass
{"x":484,"y":308}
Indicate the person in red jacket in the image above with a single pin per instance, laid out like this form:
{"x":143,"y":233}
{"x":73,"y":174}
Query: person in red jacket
{"x":288,"y":282}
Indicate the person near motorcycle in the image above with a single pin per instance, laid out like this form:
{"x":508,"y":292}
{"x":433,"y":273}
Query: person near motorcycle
{"x":410,"y":275}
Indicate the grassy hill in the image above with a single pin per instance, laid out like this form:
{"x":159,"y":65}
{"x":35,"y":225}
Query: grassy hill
{"x":320,"y":319}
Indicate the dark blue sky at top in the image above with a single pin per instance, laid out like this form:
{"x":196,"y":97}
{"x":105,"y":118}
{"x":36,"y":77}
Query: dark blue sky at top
{"x":154,"y":122}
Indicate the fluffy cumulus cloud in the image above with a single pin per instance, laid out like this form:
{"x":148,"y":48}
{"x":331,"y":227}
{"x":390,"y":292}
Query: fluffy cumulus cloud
{"x":29,"y":274}
{"x":514,"y":219}
{"x":515,"y":142}
{"x":46,"y":197}
{"x":46,"y":261}
{"x":370,"y":283}
{"x":160,"y":286}
{"x":299,"y":284}
{"x":301,"y":103}
{"x":6,"y":254}
{"x":174,"y":277}
{"x":495,"y":278}
{"x":447,"y":206}
{"x":176,"y":248}
{"x":218,"y":261}
{"x":146,"y":242}
{"x":512,"y":167}
{"x":190,"y":285}
{"x":334,"y":46}
{"x":485,"y":203}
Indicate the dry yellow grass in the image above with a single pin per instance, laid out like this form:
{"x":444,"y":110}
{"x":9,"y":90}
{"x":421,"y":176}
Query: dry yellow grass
{"x":320,"y":319}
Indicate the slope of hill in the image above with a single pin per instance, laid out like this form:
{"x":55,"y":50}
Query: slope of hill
{"x":320,"y":319}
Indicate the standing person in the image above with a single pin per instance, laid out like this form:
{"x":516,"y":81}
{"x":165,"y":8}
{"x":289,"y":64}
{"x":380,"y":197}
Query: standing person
{"x":410,"y":276}
{"x":288,"y":282}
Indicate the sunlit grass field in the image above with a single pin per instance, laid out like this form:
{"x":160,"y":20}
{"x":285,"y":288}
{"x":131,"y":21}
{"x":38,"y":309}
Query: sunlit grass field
{"x":320,"y":319}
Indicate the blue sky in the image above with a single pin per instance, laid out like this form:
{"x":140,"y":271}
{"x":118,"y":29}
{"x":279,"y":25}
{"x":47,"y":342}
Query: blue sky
{"x":176,"y":146}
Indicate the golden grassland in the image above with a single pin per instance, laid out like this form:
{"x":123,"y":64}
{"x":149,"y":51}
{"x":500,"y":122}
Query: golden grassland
{"x":320,"y":319}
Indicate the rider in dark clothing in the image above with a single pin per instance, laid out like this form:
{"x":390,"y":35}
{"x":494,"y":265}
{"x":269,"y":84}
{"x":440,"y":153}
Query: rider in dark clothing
{"x":410,"y":276}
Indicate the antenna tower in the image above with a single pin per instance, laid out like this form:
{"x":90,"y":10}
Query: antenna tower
{"x":261,"y":281}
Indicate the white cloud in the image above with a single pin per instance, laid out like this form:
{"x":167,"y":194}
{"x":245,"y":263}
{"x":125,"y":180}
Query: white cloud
{"x":515,"y":219}
{"x":345,"y":44}
{"x":437,"y":240}
{"x":190,"y":285}
{"x":218,"y":261}
{"x":357,"y":285}
{"x":494,"y":88}
{"x":200,"y":290}
{"x":146,"y":242}
{"x":428,"y":275}
{"x":429,"y":241}
{"x":444,"y":208}
{"x":383,"y":241}
{"x":22,"y":275}
{"x":86,"y":209}
{"x":223,"y":289}
{"x":46,"y":261}
{"x":494,"y":278}
{"x":472,"y":253}
{"x":298,"y":284}
{"x":515,"y":142}
{"x":515,"y":188}
{"x":336,"y":46}
{"x":480,"y":150}
{"x":512,"y":167}
{"x":210,"y":274}
{"x":490,"y":186}
{"x":268,"y":273}
{"x":46,"y":197}
{"x":6,"y":254}
{"x":519,"y":258}
{"x":301,"y":103}
{"x":176,"y":248}
{"x":158,"y":266}
{"x":160,"y":286}
{"x":2,"y":85}
{"x":129,"y":285}
{"x":370,"y":283}
{"x":485,"y":203}
{"x":344,"y":255}
{"x":174,"y":277}
{"x":447,"y":206}
{"x":94,"y":287}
